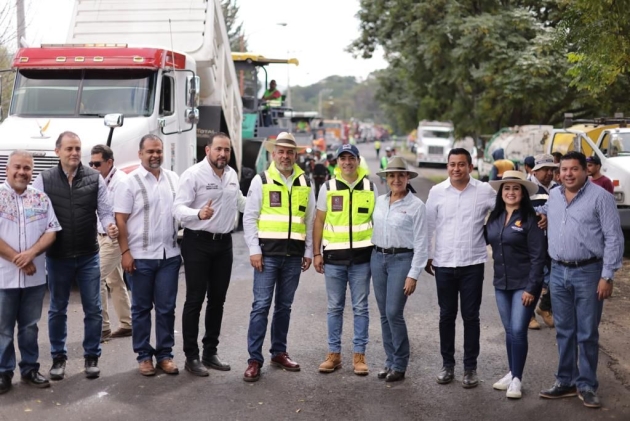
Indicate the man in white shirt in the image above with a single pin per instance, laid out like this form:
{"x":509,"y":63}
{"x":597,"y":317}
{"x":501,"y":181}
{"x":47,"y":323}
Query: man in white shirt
{"x":278,"y":225}
{"x":150,"y":254}
{"x":109,"y":251}
{"x":456,"y":212}
{"x":28,"y":225}
{"x":207,"y":204}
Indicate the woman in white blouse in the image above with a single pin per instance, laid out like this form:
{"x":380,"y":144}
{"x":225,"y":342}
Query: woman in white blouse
{"x":400,"y":254}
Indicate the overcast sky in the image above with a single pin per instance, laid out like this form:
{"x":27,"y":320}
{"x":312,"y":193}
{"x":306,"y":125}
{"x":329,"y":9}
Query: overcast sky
{"x":317,"y":32}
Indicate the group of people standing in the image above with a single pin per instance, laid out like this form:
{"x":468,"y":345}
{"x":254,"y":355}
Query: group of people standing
{"x":349,"y":233}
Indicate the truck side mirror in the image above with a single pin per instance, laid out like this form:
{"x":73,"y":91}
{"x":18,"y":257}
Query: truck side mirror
{"x":194,"y":86}
{"x":114,"y":120}
{"x":192,"y":115}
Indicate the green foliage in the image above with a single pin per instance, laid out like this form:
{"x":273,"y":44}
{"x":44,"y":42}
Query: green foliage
{"x":6,"y":79}
{"x":234,"y":27}
{"x":482,"y":64}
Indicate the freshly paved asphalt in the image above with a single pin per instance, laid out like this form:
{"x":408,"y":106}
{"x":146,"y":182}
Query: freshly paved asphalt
{"x":121,"y":393}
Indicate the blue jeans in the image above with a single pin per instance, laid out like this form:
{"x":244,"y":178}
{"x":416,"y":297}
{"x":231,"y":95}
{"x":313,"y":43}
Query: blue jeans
{"x":515,"y":318}
{"x":338,"y":277}
{"x":282,"y":274}
{"x":61,"y":275}
{"x":24,"y":307}
{"x":389,"y":272}
{"x":463,"y":284}
{"x":576,"y":313}
{"x":154,"y":282}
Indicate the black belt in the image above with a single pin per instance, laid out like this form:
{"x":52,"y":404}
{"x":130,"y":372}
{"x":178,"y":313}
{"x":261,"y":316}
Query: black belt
{"x":102,"y":235}
{"x":393,"y":250}
{"x":578,"y":263}
{"x":208,"y":235}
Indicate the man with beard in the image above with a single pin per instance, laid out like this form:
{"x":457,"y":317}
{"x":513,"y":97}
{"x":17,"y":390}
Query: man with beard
{"x":278,"y":225}
{"x":207,"y":204}
{"x":28,"y":225}
{"x":150,"y":254}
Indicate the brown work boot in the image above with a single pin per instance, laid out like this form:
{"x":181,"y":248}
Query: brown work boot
{"x":547,"y":316}
{"x":533,"y":323}
{"x":333,"y":362}
{"x":360,"y":367}
{"x":146,"y":368}
{"x":122,"y":332}
{"x":168,"y":366}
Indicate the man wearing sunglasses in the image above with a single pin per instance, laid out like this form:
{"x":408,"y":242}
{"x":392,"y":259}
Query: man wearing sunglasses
{"x":111,"y":270}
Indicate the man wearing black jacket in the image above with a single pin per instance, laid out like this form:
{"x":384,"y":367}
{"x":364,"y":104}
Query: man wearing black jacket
{"x":78,"y":194}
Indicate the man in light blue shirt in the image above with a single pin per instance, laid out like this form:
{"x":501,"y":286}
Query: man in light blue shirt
{"x":586,"y":248}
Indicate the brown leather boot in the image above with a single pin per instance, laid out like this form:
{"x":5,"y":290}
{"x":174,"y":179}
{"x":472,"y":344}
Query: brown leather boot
{"x":533,"y":323}
{"x":333,"y":362}
{"x":360,"y":366}
{"x":146,"y":368}
{"x":168,"y":366}
{"x":547,"y":316}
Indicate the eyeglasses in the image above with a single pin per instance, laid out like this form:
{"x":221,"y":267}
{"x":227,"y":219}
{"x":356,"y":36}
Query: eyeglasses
{"x":95,"y":164}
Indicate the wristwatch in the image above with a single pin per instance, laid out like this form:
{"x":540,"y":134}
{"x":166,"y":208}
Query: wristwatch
{"x":609,"y":280}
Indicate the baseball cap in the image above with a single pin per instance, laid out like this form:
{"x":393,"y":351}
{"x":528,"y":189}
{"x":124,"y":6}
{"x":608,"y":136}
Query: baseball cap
{"x":347,"y":148}
{"x":530,"y":161}
{"x":594,"y":159}
{"x":544,"y":161}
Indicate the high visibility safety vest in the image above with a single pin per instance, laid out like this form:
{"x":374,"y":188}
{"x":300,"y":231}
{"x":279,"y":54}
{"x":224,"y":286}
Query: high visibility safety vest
{"x":348,"y":225}
{"x":282,"y":221}
{"x":384,"y":162}
{"x":503,"y":165}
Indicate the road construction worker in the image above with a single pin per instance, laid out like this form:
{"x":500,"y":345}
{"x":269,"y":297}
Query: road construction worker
{"x":377,"y":148}
{"x":500,"y":165}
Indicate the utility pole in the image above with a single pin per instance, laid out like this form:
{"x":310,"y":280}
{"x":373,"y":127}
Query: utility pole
{"x":21,"y":26}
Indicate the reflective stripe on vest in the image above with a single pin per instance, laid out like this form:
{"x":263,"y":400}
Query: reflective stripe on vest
{"x":283,"y":213}
{"x":348,"y":223}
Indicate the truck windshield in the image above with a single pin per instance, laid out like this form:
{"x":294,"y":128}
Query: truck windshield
{"x":88,"y":93}
{"x":436,"y":134}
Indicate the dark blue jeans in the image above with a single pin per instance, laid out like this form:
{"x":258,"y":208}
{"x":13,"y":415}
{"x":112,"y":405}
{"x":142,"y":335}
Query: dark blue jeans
{"x":576,"y":314}
{"x":61,"y":274}
{"x":24,"y":307}
{"x":154,"y":282}
{"x":515,"y":318}
{"x":455,"y":284}
{"x":283,"y":275}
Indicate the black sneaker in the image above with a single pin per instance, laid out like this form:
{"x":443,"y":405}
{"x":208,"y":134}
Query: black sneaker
{"x":91,"y":367}
{"x":590,"y":399}
{"x":58,"y":369}
{"x":558,"y":391}
{"x":5,"y":383}
{"x":33,"y":378}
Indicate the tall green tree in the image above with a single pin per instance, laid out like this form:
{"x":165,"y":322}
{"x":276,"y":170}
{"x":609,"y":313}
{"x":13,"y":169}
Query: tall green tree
{"x":238,"y":42}
{"x":483,"y":64}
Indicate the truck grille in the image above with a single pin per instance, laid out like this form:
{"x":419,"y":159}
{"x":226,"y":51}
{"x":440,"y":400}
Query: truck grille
{"x":41,"y":163}
{"x":436,"y":150}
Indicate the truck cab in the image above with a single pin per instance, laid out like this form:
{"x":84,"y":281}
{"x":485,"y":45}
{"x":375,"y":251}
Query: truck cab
{"x":434,"y":140}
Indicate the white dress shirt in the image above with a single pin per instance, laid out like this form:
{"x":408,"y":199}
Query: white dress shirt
{"x":252,"y":213}
{"x":24,"y":218}
{"x":152,"y":233}
{"x":200,"y":184}
{"x":456,"y":219}
{"x":104,"y":209}
{"x":112,"y":180}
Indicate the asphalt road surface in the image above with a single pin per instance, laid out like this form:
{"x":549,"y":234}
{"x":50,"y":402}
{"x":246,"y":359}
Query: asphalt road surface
{"x":122,"y":393}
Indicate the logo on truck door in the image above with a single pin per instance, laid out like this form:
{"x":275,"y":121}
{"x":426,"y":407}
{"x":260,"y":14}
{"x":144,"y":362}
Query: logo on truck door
{"x":42,"y":130}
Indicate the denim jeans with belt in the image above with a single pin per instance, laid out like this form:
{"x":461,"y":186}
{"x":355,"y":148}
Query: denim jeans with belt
{"x":61,"y":275}
{"x":515,"y":318}
{"x":463,"y":284}
{"x":338,"y":277}
{"x":281,"y":274}
{"x":576,"y":313}
{"x":24,"y":307}
{"x":154,"y":282}
{"x":389,"y":273}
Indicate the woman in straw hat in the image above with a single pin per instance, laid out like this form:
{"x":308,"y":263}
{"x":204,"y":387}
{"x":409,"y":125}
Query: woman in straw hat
{"x":397,"y":261}
{"x":519,"y":247}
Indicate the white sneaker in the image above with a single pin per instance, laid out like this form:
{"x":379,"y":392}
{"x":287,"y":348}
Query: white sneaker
{"x":514,"y":390}
{"x":504,"y":382}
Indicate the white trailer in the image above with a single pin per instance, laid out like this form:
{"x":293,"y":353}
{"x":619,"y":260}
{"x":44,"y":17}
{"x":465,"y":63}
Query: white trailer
{"x":161,"y":64}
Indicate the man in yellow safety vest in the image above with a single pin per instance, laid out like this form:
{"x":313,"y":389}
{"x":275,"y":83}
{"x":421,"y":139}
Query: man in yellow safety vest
{"x":278,"y":225}
{"x":344,"y":223}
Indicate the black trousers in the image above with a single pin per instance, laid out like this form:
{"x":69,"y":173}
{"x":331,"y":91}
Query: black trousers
{"x":208,"y":268}
{"x":455,"y":284}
